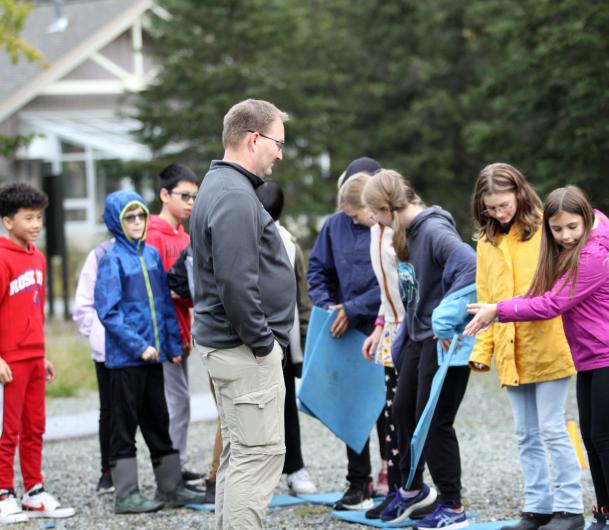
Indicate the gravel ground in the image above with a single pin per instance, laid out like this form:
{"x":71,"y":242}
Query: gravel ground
{"x":491,"y":472}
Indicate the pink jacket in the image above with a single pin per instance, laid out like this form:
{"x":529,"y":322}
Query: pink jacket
{"x":585,"y":312}
{"x":85,"y":315}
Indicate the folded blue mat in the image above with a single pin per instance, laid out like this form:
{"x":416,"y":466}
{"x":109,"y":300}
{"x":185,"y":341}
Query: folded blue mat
{"x":278,"y":501}
{"x":339,"y":387}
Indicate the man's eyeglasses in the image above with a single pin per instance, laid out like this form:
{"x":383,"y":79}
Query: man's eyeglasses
{"x":278,"y":143}
{"x":185,"y":196}
{"x":130,"y":218}
{"x":494,"y":210}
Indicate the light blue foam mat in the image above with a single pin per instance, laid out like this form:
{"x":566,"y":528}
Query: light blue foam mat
{"x":326,"y":499}
{"x":281,"y":501}
{"x":201,"y":507}
{"x":359,"y":517}
{"x":278,"y":501}
{"x":339,"y":387}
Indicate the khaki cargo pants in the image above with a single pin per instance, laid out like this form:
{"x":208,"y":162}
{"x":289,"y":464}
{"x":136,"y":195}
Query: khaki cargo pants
{"x":250,"y":400}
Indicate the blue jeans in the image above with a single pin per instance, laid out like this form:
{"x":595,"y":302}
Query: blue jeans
{"x":539,"y":415}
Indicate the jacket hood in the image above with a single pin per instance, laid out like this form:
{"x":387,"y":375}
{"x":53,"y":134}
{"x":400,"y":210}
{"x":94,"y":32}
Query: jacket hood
{"x":157,"y":223}
{"x":7,"y":244}
{"x":431,"y":212}
{"x":114,"y":211}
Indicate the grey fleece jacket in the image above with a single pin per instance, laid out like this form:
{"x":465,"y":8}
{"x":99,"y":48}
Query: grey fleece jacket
{"x":432,"y":236}
{"x":245,"y":288}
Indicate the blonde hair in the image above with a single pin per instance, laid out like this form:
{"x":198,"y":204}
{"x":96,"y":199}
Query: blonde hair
{"x":350,"y":193}
{"x":389,"y":191}
{"x":504,"y":178}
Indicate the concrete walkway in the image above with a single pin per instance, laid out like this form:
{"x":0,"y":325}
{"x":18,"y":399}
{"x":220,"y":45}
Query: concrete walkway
{"x":65,"y":426}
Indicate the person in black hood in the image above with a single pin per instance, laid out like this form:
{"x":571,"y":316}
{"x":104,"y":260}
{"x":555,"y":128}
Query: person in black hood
{"x":427,"y":238}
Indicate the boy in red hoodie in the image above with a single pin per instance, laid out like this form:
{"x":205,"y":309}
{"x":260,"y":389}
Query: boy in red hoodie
{"x":23,"y":367}
{"x":178,"y":189}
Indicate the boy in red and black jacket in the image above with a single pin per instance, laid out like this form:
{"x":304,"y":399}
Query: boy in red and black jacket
{"x":178,"y":188}
{"x":23,"y":367}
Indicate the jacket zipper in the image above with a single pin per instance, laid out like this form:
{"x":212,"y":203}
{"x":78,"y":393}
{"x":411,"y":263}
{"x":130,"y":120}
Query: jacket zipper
{"x":150,"y":301}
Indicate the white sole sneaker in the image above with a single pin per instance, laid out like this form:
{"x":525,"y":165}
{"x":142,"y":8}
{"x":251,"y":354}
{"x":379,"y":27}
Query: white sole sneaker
{"x":430,"y":499}
{"x":366,"y":504}
{"x":59,"y":513}
{"x":14,"y":518}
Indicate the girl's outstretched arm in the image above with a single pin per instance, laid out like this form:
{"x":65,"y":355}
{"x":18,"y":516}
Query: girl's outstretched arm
{"x":484,"y":316}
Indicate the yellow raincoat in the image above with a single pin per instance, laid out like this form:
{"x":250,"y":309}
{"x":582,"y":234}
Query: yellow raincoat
{"x":525,"y":352}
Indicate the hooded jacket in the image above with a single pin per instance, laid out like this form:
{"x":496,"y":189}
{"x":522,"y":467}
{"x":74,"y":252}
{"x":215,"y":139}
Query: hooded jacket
{"x":524,"y":352}
{"x":432,"y":238}
{"x":22,"y":277}
{"x":245,"y":289}
{"x":132,"y":298}
{"x":170,"y":243}
{"x":585,"y":310}
{"x":340,"y":271}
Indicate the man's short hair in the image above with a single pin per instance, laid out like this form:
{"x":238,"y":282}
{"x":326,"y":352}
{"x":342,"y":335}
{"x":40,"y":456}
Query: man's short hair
{"x":17,"y":195}
{"x":249,"y":115}
{"x":173,"y":174}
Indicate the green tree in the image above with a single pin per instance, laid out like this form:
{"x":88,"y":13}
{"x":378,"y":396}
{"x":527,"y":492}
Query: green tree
{"x":13,"y":15}
{"x":545,"y":98}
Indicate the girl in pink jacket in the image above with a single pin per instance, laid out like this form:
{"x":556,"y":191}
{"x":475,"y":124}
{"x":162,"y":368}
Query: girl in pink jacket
{"x":572,"y":280}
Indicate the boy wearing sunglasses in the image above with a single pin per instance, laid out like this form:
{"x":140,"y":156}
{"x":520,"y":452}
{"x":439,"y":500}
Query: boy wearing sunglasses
{"x":134,"y":305}
{"x":178,"y":189}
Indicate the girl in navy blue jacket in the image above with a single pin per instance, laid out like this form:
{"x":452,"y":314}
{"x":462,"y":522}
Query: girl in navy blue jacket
{"x":340,"y":276}
{"x":134,"y":304}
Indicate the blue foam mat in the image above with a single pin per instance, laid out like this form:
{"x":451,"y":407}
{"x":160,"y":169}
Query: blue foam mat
{"x":359,"y":517}
{"x":326,"y":499}
{"x":278,"y":501}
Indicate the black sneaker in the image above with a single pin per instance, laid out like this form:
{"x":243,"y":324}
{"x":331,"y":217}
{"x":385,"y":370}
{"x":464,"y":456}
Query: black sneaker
{"x":105,"y":484}
{"x":210,"y":492}
{"x":599,"y":519}
{"x":565,"y":521}
{"x":375,"y":513}
{"x":191,"y":478}
{"x":529,"y":521}
{"x":357,"y":497}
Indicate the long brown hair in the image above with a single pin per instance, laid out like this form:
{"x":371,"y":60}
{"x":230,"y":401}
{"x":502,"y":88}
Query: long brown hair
{"x":389,"y":191}
{"x":503,"y":178}
{"x":554,"y":260}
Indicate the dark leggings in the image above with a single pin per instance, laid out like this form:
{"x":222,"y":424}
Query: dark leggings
{"x":293,"y":453}
{"x":441,"y":447}
{"x":593,"y":405}
{"x":105,"y":400}
{"x":390,"y":443}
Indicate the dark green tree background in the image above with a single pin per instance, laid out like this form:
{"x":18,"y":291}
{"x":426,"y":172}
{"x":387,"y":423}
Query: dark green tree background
{"x":434,"y":89}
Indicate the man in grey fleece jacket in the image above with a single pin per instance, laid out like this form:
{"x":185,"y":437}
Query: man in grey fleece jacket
{"x":245,"y":293}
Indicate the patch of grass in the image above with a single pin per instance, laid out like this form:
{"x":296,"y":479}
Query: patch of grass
{"x":69,"y":352}
{"x":310,"y":511}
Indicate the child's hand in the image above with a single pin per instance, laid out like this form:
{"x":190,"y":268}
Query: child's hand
{"x":150,"y":354}
{"x":371,"y":343}
{"x":176,"y":360}
{"x":485,"y":314}
{"x":49,"y":370}
{"x":340,"y":325}
{"x":6,"y":376}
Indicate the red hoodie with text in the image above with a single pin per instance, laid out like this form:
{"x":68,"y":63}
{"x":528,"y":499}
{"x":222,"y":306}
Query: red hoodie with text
{"x":170,"y":243}
{"x":22,"y":275}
